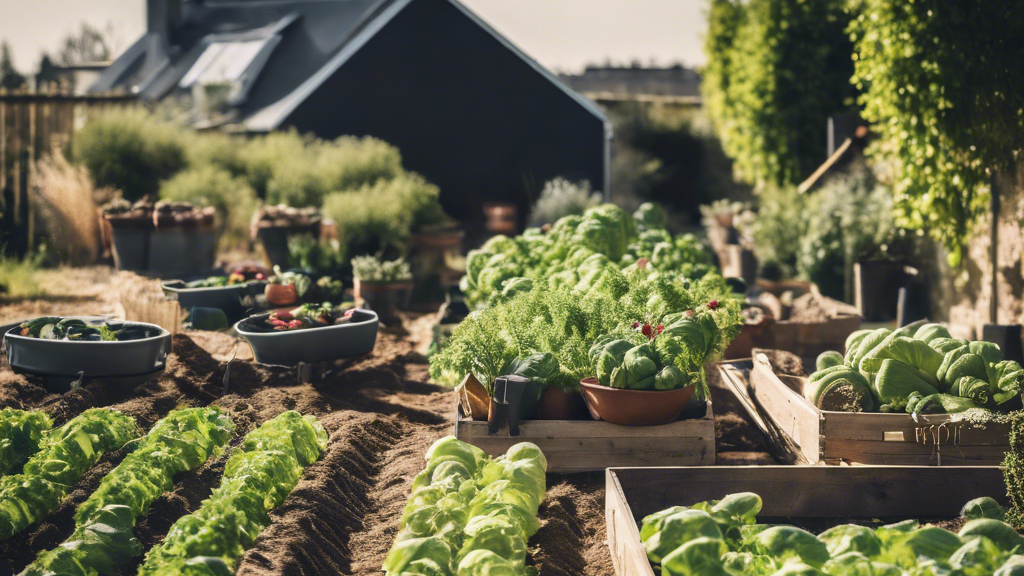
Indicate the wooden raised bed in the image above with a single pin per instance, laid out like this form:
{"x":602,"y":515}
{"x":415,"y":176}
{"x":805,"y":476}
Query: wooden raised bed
{"x":588,"y":445}
{"x":789,"y":493}
{"x":776,"y":403}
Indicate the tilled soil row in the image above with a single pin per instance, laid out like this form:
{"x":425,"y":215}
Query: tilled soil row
{"x":343,"y":516}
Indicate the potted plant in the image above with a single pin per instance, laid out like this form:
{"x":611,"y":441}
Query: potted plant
{"x":285,"y":288}
{"x":131,"y":227}
{"x":272,"y":226}
{"x":382,"y":285}
{"x":184,"y":238}
{"x":645,"y":376}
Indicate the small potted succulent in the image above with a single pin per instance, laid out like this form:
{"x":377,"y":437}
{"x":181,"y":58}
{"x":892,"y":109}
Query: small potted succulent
{"x":285,"y":288}
{"x":272,"y":226}
{"x":383,"y":285}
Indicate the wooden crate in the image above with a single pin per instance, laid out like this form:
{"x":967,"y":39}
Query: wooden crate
{"x":587,"y":445}
{"x":791,"y":492}
{"x":776,"y":403}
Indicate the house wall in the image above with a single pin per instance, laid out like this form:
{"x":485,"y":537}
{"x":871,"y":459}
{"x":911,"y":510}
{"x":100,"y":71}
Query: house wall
{"x":465,"y":111}
{"x":966,"y":290}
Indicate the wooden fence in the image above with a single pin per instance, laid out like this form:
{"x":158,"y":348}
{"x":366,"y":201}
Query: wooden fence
{"x":32,"y":124}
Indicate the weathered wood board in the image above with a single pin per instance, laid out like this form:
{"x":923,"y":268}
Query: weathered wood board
{"x":587,"y":445}
{"x":777,"y":404}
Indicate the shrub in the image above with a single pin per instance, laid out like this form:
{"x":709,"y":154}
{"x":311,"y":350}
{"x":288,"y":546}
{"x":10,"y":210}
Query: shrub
{"x":381,"y":216}
{"x":302,"y":171}
{"x":209,"y":185}
{"x":848,"y":220}
{"x":130,"y":150}
{"x":373,"y":269}
{"x":777,"y":230}
{"x":561,"y":197}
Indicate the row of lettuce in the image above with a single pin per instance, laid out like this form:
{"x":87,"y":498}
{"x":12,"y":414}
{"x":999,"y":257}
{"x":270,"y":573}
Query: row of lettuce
{"x":919,"y":368}
{"x":469,"y":514}
{"x":257,"y":477}
{"x":723,"y":538}
{"x":592,"y":294}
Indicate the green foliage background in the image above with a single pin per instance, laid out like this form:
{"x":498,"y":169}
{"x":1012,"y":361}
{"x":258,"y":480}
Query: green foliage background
{"x":943,"y":85}
{"x":776,"y":70}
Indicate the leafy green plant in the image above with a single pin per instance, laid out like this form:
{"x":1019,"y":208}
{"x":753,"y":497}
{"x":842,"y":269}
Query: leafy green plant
{"x":373,"y":269}
{"x":1013,"y":470}
{"x":944,"y":126}
{"x":258,"y":476}
{"x":778,"y":231}
{"x":561,"y":197}
{"x":130,"y":150}
{"x":382,"y":216}
{"x":777,"y":70}
{"x":722,"y":537}
{"x":65,"y":454}
{"x":19,"y":277}
{"x":917,"y":368}
{"x":469,"y":514}
{"x":21,"y":435}
{"x":297,"y":279}
{"x":309,"y":253}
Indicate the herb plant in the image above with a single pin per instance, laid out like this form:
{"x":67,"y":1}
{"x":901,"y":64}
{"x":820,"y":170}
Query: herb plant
{"x":373,"y":269}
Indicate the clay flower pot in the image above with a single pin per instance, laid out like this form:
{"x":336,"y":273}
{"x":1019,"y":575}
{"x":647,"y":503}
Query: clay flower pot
{"x":386,"y":298}
{"x":634,"y":407}
{"x":281,"y":294}
{"x":558,"y":404}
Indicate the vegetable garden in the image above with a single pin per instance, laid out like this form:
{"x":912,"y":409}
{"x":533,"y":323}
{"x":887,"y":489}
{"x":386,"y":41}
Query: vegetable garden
{"x":299,"y":364}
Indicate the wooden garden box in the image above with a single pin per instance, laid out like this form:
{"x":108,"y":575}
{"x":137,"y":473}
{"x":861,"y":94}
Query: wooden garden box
{"x":588,"y":445}
{"x":777,"y":404}
{"x":789,"y":493}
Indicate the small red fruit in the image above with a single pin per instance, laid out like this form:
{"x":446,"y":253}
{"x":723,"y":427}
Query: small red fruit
{"x":661,"y":328}
{"x":642,"y":263}
{"x":713,"y":304}
{"x":635,"y":325}
{"x":647,"y":331}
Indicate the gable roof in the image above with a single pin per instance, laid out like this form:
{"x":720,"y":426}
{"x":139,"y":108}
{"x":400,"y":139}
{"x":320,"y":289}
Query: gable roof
{"x":311,"y":39}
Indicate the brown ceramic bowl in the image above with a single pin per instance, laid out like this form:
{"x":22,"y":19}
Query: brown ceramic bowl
{"x":281,"y":294}
{"x":634,"y":407}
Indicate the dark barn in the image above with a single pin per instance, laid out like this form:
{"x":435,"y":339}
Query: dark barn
{"x":467,"y":109}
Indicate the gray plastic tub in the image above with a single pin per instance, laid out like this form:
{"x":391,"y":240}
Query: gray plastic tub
{"x":290,"y":347}
{"x":231,"y":299}
{"x":64,"y":359}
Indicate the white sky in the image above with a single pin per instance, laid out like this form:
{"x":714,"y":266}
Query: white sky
{"x":563,"y":35}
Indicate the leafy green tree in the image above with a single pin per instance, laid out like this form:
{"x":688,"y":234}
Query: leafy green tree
{"x":776,"y":70}
{"x":10,"y":78}
{"x":943,"y":85}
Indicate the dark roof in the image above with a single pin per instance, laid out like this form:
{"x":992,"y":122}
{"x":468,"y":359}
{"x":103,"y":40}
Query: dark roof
{"x":316,"y":37}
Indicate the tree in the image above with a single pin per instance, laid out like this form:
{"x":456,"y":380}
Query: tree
{"x":778,"y":70}
{"x":10,"y":78}
{"x":943,"y":86}
{"x":88,"y":44}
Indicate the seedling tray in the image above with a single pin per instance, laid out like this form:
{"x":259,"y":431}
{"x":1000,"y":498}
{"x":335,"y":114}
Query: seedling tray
{"x":589,"y":445}
{"x":776,"y":403}
{"x":816,"y":496}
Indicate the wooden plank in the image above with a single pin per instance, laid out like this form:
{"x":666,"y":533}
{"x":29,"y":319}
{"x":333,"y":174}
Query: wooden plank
{"x":817,"y":491}
{"x":586,"y":445}
{"x":874,"y":427}
{"x":628,"y":555}
{"x":789,"y":411}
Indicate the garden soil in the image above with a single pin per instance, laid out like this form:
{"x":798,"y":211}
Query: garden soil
{"x":381,"y":415}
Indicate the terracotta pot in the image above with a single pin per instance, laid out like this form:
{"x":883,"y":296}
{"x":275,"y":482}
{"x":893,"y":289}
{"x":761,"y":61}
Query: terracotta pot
{"x":634,"y":407}
{"x":437,"y":240}
{"x":558,"y":404}
{"x":281,"y":294}
{"x":500,"y":217}
{"x":386,"y":298}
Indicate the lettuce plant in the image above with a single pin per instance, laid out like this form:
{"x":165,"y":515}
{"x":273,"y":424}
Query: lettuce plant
{"x":65,"y":454}
{"x":21,"y":434}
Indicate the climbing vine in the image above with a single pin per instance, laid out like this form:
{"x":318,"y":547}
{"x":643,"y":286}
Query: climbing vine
{"x":776,"y":70}
{"x":943,"y":85}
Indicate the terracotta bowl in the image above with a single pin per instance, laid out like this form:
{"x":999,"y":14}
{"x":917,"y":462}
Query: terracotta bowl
{"x":634,"y":407}
{"x":281,"y":294}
